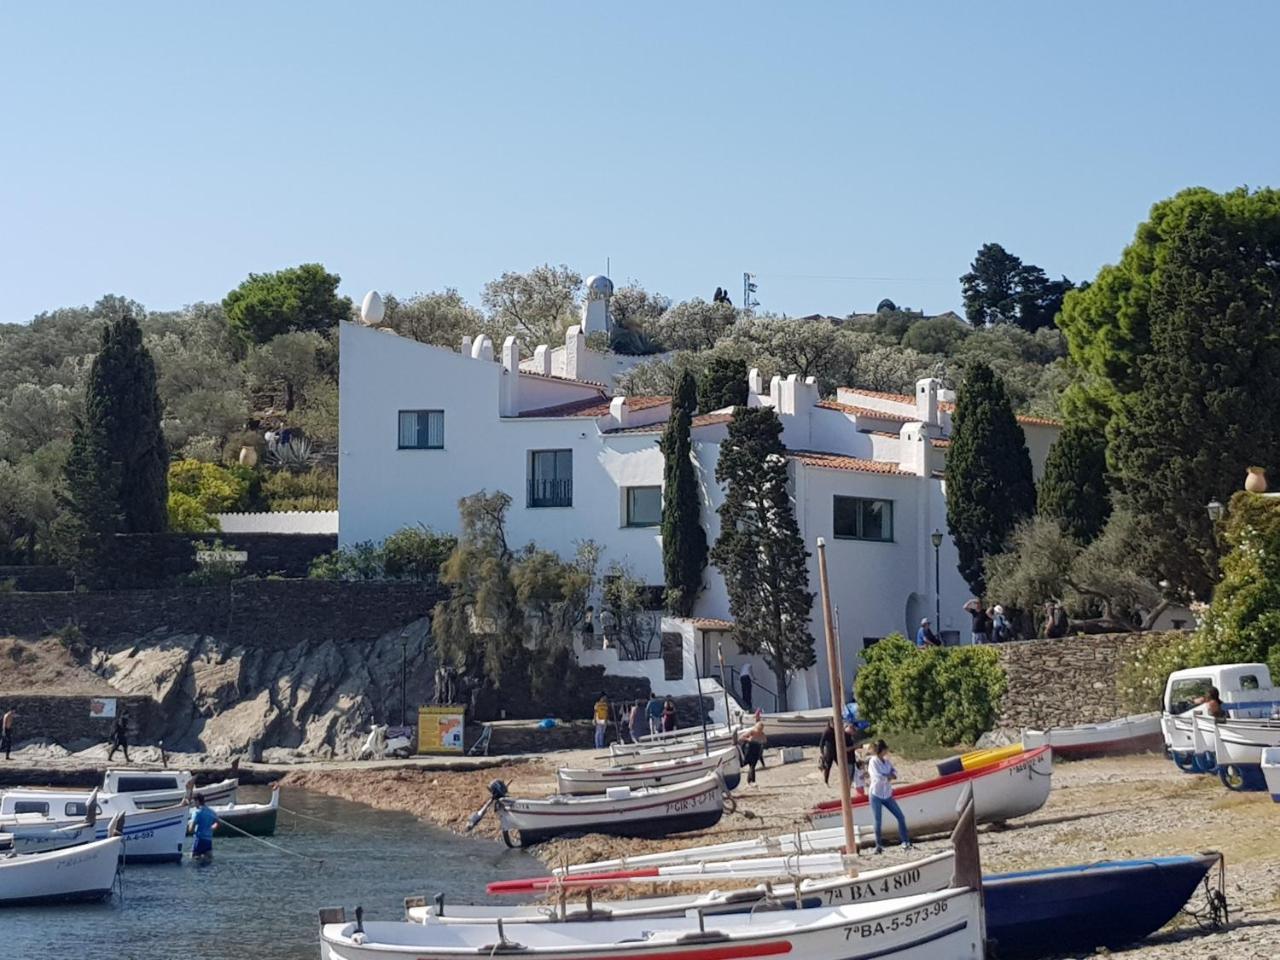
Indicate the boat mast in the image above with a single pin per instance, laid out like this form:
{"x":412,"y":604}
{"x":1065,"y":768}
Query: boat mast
{"x":836,"y":668}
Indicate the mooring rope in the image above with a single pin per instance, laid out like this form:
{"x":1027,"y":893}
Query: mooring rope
{"x":274,"y":846}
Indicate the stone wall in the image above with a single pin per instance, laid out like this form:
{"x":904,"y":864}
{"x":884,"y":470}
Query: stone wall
{"x":262,"y":614}
{"x":66,"y":719}
{"x":36,"y":578}
{"x":1067,"y":681}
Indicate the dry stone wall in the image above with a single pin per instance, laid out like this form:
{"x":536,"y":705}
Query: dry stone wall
{"x":1067,"y":681}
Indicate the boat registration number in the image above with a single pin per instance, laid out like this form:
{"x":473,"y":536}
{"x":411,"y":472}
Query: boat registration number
{"x":141,"y":835}
{"x":901,"y":921}
{"x":875,"y":888}
{"x":689,"y":803}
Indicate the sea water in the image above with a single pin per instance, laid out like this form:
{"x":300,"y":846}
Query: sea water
{"x":254,"y":902}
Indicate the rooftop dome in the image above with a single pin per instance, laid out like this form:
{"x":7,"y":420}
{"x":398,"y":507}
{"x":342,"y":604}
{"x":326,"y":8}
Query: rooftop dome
{"x":599,"y":288}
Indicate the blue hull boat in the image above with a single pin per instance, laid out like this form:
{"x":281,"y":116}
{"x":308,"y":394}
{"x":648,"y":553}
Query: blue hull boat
{"x":1039,"y":913}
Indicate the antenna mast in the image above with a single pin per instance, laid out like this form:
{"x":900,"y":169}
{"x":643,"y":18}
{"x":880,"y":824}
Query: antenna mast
{"x":749,"y":302}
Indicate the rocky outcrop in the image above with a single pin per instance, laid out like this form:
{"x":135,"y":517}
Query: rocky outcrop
{"x":313,"y":698}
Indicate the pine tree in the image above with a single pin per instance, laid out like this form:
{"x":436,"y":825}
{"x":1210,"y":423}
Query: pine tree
{"x":684,"y":541}
{"x":116,"y":472}
{"x":989,"y":484}
{"x":723,"y":384}
{"x":759,"y":551}
{"x":1074,"y":490}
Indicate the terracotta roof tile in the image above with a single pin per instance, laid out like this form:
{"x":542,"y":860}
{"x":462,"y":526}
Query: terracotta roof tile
{"x":712,"y":623}
{"x":703,"y":420}
{"x":941,"y":441}
{"x":865,"y":412}
{"x":882,"y":395}
{"x":946,"y":405}
{"x":835,"y":461}
{"x":594,"y":407}
{"x":552,"y":376}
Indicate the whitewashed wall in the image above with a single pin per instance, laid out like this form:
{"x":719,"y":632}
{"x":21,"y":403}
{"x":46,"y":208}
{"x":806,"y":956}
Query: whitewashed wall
{"x":300,"y":521}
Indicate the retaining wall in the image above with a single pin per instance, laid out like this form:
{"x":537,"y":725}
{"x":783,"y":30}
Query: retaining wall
{"x":67,"y":720}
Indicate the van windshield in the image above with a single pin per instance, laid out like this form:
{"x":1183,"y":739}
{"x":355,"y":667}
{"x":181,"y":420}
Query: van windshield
{"x":1187,"y":693}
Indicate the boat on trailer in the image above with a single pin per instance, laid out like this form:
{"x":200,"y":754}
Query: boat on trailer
{"x":1001,"y":791}
{"x":1138,"y":733}
{"x":646,"y":812}
{"x":927,"y":926}
{"x":658,"y":773}
{"x":83,"y":872}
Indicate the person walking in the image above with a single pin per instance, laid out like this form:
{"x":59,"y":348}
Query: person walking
{"x":203,"y":822}
{"x":654,"y":712}
{"x":635,"y":720}
{"x":925,"y":637}
{"x":747,"y":681}
{"x":668,"y":714}
{"x":881,"y":773}
{"x":120,"y":737}
{"x":6,"y":731}
{"x":602,"y":720}
{"x":753,"y":742}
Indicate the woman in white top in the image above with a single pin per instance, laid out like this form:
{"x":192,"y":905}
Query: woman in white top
{"x":882,"y":773}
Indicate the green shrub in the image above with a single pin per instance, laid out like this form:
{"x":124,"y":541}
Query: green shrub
{"x":360,"y":561}
{"x":416,"y":553}
{"x":871,"y":687}
{"x":187,"y":515}
{"x":217,"y":489}
{"x":312,"y":490}
{"x":972,"y":682}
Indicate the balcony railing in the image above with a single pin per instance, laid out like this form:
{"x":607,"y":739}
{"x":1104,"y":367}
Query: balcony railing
{"x":551,"y":493}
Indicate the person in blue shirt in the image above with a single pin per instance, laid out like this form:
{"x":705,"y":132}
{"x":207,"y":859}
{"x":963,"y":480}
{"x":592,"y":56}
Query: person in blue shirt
{"x":203,"y":823}
{"x":925,"y":637}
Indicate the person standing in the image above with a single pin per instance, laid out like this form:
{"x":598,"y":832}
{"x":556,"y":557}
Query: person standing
{"x":881,"y":773}
{"x":925,"y":637}
{"x":981,"y":625}
{"x":747,"y":681}
{"x":753,"y":742}
{"x":1001,"y":630}
{"x":120,"y":737}
{"x":602,"y":720}
{"x":6,"y":731}
{"x":635,"y":719}
{"x":654,"y":712}
{"x":668,"y":714}
{"x":203,"y":822}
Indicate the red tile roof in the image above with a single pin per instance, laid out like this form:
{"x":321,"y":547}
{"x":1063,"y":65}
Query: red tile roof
{"x":703,"y":420}
{"x":865,"y":412}
{"x":941,"y":441}
{"x":712,"y":623}
{"x":946,"y":405}
{"x":552,"y":376}
{"x":835,"y":461}
{"x":593,"y":407}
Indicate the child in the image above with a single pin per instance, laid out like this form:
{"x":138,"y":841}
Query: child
{"x":859,"y":776}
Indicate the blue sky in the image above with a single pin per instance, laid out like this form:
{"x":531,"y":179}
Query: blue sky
{"x":164,"y":150}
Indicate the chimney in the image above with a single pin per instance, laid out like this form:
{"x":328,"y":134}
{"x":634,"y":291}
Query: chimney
{"x":927,"y":401}
{"x":466,"y":346}
{"x":482,"y":348}
{"x":575,"y":348}
{"x":755,"y":383}
{"x":509,"y":389}
{"x":542,"y":360}
{"x":618,"y":411}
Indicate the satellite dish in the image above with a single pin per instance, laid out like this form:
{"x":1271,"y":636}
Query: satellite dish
{"x":371,"y":309}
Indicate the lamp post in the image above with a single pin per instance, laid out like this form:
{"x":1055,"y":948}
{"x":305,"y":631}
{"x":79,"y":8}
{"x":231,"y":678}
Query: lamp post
{"x":936,"y":537}
{"x":404,"y":674}
{"x":1215,"y":509}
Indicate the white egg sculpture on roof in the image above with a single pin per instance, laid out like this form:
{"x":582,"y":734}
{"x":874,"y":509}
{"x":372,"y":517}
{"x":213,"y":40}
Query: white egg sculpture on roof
{"x":372,"y":309}
{"x":599,"y":288}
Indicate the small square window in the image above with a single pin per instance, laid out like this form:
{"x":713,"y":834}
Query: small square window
{"x":421,"y":430}
{"x":860,"y":518}
{"x":644,"y":506}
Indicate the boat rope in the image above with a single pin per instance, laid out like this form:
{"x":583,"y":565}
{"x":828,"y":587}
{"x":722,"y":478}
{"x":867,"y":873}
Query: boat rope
{"x":1217,"y":912}
{"x":273,"y":846}
{"x":307,"y":816}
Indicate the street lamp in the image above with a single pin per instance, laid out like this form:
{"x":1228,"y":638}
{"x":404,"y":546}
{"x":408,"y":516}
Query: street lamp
{"x":404,"y":674}
{"x":936,"y":537}
{"x":1215,"y":508}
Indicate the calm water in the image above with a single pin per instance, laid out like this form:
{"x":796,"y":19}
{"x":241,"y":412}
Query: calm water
{"x":255,"y":902}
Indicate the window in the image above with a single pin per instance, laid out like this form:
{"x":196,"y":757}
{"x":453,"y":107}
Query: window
{"x":1187,"y":692}
{"x":551,"y":478}
{"x":857,"y":518}
{"x":1249,"y":682}
{"x":644,"y":506}
{"x":31,"y":806}
{"x":78,"y":810}
{"x":421,"y":430}
{"x":136,"y":784}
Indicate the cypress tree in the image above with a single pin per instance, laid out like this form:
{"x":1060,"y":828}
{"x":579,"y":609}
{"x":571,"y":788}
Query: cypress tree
{"x":1073,"y":490}
{"x":723,"y":384}
{"x":684,"y":541}
{"x":989,"y":484}
{"x":116,"y":470}
{"x":759,"y":550}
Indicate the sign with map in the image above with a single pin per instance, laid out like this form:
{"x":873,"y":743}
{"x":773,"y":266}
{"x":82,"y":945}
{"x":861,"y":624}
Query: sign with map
{"x":441,"y":729}
{"x":103,"y":707}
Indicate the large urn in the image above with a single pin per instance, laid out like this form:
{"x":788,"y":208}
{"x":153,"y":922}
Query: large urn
{"x":1255,"y":481}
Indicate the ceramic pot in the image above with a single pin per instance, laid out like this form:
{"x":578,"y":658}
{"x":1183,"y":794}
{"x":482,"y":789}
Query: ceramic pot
{"x":1255,"y":481}
{"x":249,"y":458}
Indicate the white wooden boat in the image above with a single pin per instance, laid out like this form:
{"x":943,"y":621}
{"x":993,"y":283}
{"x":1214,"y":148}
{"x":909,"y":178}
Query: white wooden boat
{"x":648,"y":811}
{"x":946,"y":924}
{"x":163,"y":788}
{"x":621,"y":754}
{"x":254,"y":819}
{"x":653,"y":774}
{"x":51,"y":821}
{"x":83,"y":872}
{"x":1134,"y":734}
{"x":798,"y":728}
{"x":1001,"y":791}
{"x":1271,"y":771}
{"x":1238,"y":750}
{"x":926,"y":875}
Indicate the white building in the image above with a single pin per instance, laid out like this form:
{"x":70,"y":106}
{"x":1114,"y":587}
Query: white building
{"x":423,"y":426}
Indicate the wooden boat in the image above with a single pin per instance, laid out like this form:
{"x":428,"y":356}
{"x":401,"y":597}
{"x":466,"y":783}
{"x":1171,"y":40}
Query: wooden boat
{"x":1271,"y":771}
{"x":648,"y":811}
{"x":254,"y":819}
{"x":83,"y":872}
{"x":926,"y":875}
{"x":1134,"y":734}
{"x":1078,"y":909}
{"x":163,"y":788}
{"x":922,"y":927}
{"x":53,"y":821}
{"x":654,"y":774}
{"x":979,"y":758}
{"x":1002,"y":791}
{"x":621,"y":754}
{"x":796,"y":729}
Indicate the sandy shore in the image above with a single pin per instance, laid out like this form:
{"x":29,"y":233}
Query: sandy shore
{"x":1112,"y":808}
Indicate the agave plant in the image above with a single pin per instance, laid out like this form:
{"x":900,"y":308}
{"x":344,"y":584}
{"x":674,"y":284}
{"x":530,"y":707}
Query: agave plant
{"x":295,"y":456}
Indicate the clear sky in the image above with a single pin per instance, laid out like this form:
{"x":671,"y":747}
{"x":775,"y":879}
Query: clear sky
{"x":165,"y":150}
